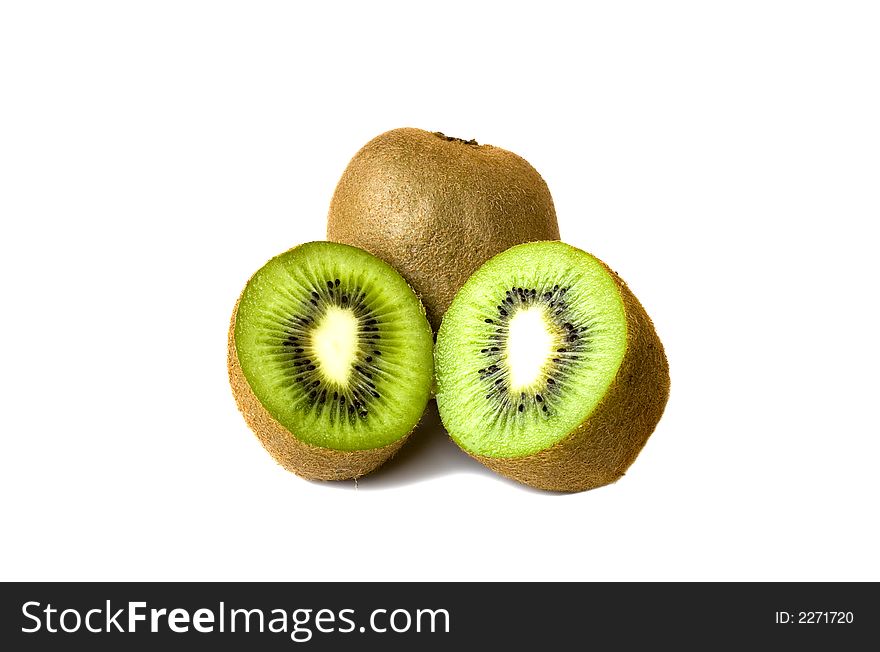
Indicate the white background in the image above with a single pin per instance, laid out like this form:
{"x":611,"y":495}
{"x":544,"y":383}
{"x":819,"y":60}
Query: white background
{"x":723,"y":157}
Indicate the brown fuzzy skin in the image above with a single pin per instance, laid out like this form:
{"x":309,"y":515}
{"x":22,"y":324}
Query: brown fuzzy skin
{"x":601,"y":449}
{"x":436,"y":208}
{"x":308,"y":461}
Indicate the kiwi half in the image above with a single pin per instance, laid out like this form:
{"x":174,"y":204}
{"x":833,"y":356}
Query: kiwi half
{"x":437,"y":207}
{"x":549,"y":371}
{"x":330,"y":360}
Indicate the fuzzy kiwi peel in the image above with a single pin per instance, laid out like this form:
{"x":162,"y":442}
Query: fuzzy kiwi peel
{"x":573,"y":417}
{"x":437,"y":207}
{"x":329,"y":360}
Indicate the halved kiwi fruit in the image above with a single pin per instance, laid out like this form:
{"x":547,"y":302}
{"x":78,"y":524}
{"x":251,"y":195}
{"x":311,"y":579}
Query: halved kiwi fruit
{"x":330,"y":360}
{"x":549,"y":371}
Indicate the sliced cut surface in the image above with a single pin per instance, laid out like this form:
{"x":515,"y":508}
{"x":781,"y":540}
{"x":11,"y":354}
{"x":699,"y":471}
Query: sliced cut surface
{"x":335,"y":346}
{"x":528,"y":348}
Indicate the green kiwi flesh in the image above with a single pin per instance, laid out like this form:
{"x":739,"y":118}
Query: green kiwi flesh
{"x":330,"y":359}
{"x":549,"y":371}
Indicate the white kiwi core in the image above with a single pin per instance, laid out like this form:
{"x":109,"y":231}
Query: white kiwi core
{"x":335,"y":342}
{"x":530,"y":345}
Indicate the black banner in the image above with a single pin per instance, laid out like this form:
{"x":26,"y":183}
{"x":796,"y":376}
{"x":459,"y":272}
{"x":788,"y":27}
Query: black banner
{"x":325,"y":616}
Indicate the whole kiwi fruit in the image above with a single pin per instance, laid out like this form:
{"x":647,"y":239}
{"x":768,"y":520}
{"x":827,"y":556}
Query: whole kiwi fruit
{"x":436,"y":208}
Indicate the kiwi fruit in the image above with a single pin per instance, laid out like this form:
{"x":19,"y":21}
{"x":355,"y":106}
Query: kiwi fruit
{"x":549,"y":371}
{"x":437,"y":207}
{"x":330,"y":360}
